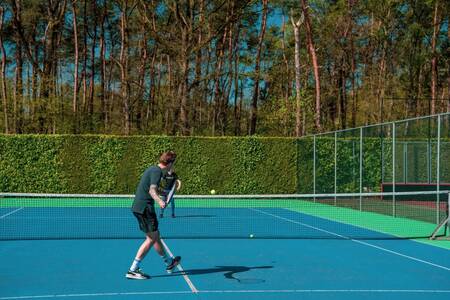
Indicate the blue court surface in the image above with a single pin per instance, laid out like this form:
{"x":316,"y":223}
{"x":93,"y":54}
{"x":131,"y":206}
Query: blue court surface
{"x":224,"y":268}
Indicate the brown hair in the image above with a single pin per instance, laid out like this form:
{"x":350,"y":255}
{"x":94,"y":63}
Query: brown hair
{"x":167,"y":157}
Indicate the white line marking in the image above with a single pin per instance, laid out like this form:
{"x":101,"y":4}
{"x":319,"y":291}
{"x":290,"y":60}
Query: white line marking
{"x":93,"y":295}
{"x":328,"y":291}
{"x":10,"y":213}
{"x":180,"y":268}
{"x":353,"y":240}
{"x":227,"y":291}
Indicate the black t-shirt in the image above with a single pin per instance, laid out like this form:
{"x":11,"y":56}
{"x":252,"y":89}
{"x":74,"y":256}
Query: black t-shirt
{"x":168,"y":180}
{"x":142,"y":198}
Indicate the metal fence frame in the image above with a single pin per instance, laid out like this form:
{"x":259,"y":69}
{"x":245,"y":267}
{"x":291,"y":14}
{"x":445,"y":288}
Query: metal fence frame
{"x":395,"y":160}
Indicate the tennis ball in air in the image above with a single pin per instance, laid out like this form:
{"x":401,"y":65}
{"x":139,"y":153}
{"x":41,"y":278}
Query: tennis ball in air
{"x":251,"y":236}
{"x":213,"y":192}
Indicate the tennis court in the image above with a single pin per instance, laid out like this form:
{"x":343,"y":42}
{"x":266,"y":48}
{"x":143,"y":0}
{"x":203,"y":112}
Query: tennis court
{"x":338,"y":246}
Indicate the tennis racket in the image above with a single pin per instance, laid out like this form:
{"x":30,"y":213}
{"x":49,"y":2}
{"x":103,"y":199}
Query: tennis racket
{"x":171,"y":194}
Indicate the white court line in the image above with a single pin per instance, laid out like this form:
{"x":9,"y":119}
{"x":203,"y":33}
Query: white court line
{"x":353,"y":240}
{"x":329,"y":291}
{"x":180,"y":268}
{"x":92,"y":295}
{"x":11,"y":212}
{"x":379,"y":291}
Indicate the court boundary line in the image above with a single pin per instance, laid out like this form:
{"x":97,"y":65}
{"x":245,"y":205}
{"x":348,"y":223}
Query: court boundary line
{"x":353,"y":240}
{"x":180,"y":268}
{"x":11,"y":212}
{"x":304,"y":291}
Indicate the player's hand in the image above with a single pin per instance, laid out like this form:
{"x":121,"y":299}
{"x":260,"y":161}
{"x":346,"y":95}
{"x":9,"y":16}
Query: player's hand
{"x":162,"y":204}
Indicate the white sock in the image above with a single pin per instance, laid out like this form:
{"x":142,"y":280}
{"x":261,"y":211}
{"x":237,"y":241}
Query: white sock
{"x":135,"y":265}
{"x":166,"y":259}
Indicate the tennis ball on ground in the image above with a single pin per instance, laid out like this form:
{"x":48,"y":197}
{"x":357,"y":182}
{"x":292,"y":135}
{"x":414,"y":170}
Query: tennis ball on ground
{"x":213,"y":192}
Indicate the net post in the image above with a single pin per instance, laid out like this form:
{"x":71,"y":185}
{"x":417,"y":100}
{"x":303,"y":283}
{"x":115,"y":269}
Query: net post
{"x":438,"y":166}
{"x":445,"y":223}
{"x":360,"y":166}
{"x":393,"y":169}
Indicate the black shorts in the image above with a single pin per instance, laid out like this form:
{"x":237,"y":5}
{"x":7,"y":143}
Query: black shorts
{"x":148,"y":222}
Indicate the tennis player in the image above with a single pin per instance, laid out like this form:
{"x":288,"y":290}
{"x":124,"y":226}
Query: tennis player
{"x":144,"y":210}
{"x":170,"y":178}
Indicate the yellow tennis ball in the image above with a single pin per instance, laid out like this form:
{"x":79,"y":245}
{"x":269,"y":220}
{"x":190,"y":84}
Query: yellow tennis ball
{"x":251,"y":236}
{"x":213,"y":192}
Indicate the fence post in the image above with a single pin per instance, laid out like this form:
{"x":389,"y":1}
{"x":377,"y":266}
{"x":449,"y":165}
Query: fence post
{"x":335,"y":168}
{"x":393,"y":169}
{"x":360,"y":166}
{"x":438,"y":166}
{"x":314,"y":167}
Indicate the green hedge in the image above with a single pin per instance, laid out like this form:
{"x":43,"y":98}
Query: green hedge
{"x":250,"y":165}
{"x":112,"y":164}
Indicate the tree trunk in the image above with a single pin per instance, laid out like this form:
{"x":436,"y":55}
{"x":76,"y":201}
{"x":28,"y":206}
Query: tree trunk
{"x":342,"y":96}
{"x":217,"y":98}
{"x":18,"y":82}
{"x":237,"y":112}
{"x":169,"y":106}
{"x":183,"y":90}
{"x":84,"y":72}
{"x":255,"y":98}
{"x":434,"y":68}
{"x":286,"y":85}
{"x":3,"y":74}
{"x":92,"y":79}
{"x":142,"y":73}
{"x":298,"y":113}
{"x":103,"y":66}
{"x":231,"y":45}
{"x":353,"y":63}
{"x":312,"y":53}
{"x":123,"y":64}
{"x":75,"y":72}
{"x":196,"y":103}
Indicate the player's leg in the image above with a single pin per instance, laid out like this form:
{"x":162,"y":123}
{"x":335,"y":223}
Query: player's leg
{"x":171,"y":262}
{"x":173,"y":207}
{"x":149,"y":225}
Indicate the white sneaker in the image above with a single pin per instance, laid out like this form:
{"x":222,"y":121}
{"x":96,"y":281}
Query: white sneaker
{"x":138,"y":274}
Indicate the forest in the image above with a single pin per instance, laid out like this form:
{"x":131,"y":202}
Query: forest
{"x":220,"y":67}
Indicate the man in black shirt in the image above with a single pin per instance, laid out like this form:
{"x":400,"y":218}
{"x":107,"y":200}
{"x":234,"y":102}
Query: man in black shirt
{"x":144,"y":210}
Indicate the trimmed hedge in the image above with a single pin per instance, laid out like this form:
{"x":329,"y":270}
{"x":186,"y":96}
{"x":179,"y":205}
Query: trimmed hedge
{"x":249,"y":165}
{"x":113,"y":164}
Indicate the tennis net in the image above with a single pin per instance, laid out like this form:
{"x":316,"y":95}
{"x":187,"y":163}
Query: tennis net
{"x":322,"y":216}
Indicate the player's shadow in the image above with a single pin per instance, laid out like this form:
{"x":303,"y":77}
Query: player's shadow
{"x":194,"y":216}
{"x":228,"y":271}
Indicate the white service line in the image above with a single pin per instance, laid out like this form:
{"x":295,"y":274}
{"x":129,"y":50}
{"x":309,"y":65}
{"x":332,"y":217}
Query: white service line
{"x":353,"y":240}
{"x":11,"y":212}
{"x":180,"y":268}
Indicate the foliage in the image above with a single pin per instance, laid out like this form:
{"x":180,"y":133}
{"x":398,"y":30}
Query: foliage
{"x":113,"y":164}
{"x":249,"y":165}
{"x":188,"y":67}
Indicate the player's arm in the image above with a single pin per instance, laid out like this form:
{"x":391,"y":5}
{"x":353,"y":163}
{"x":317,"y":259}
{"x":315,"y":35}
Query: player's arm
{"x":154,"y":193}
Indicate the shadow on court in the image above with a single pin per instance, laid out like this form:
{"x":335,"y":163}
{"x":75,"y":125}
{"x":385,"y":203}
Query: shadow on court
{"x":229,"y":272}
{"x":167,"y":216}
